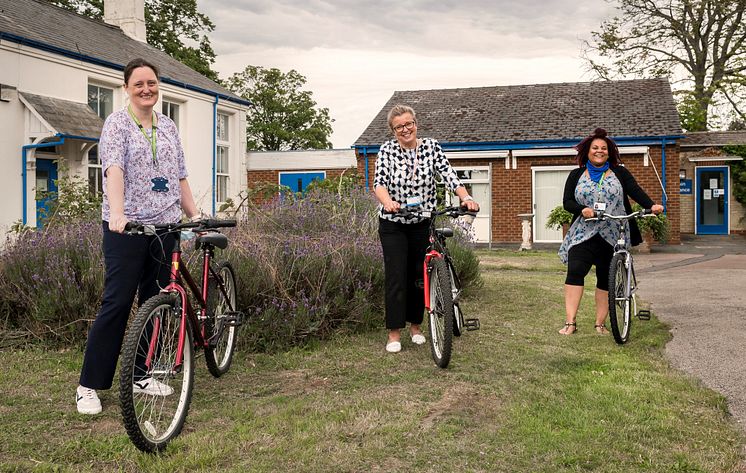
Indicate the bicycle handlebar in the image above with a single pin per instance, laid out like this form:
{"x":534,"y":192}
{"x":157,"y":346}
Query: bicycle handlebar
{"x":134,"y":227}
{"x":450,"y":211}
{"x":600,"y":216}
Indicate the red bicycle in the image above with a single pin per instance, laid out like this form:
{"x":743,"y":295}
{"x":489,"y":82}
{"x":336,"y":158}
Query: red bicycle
{"x":157,"y":361}
{"x":442,"y":287}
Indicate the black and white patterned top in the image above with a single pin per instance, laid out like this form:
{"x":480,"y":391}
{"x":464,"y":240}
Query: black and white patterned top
{"x":406,"y":175}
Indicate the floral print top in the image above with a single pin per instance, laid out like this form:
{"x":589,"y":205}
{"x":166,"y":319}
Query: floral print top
{"x":152,"y":193}
{"x":587,"y":193}
{"x":406,"y":175}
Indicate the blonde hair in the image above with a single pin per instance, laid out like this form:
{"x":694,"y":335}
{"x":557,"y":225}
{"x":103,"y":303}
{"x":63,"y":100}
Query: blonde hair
{"x":399,"y":109}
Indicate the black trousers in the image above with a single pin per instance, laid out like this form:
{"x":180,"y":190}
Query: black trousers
{"x":404,"y":246}
{"x":135,"y":264}
{"x":582,"y":256}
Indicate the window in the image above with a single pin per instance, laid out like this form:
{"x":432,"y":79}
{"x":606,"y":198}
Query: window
{"x":101,"y":100}
{"x":171,"y":110}
{"x":95,"y":186}
{"x":222,"y":165}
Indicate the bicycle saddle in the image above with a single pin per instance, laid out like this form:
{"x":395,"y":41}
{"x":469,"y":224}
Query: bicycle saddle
{"x":214,"y":239}
{"x":446,"y":232}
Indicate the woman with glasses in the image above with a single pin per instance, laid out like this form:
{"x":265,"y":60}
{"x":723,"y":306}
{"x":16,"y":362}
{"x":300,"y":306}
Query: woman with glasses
{"x":405,"y":173}
{"x":145,"y":180}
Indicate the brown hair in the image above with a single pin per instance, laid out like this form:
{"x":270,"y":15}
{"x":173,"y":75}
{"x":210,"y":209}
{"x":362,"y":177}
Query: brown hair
{"x":397,"y":110}
{"x":134,"y":64}
{"x":584,"y":148}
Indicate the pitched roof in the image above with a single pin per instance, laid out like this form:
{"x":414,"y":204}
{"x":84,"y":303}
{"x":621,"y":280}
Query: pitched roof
{"x":42,"y":25}
{"x":713,"y":138}
{"x":634,"y":108}
{"x":66,"y":117}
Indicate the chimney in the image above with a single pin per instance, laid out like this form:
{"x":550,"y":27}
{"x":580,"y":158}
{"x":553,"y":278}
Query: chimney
{"x":129,"y":15}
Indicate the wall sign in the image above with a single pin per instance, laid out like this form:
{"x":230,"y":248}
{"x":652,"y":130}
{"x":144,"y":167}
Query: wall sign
{"x":685,"y":186}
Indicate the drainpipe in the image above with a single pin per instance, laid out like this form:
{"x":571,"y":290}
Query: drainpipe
{"x":214,"y":152}
{"x":365,"y":156}
{"x":24,"y":150}
{"x":663,"y":171}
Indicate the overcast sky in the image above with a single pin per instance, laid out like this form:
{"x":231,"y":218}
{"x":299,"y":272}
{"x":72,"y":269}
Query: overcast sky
{"x":355,"y":54}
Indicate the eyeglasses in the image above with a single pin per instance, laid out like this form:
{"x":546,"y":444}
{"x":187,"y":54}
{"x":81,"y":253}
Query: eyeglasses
{"x":400,"y":128}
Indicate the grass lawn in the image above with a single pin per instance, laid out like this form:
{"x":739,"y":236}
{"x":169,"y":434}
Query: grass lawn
{"x":517,"y":397}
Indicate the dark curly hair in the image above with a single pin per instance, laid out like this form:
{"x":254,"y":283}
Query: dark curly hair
{"x":584,"y":148}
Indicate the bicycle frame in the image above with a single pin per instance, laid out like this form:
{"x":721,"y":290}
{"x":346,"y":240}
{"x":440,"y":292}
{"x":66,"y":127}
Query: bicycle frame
{"x":177,"y":278}
{"x":436,"y":249}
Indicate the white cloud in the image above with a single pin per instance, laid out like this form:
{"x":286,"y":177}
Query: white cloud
{"x":355,"y":53}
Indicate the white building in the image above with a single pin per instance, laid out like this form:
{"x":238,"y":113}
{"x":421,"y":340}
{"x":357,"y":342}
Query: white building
{"x":61,"y":74}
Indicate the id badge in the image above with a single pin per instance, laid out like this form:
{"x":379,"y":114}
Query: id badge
{"x":599,"y":206}
{"x":414,"y":201}
{"x":160,"y":184}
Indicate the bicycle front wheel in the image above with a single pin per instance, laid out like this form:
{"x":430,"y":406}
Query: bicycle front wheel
{"x":154,"y":392}
{"x":441,"y":312}
{"x":221,"y":327}
{"x":620,"y":300}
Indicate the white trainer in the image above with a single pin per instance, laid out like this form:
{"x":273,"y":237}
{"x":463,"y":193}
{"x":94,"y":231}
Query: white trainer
{"x":152,"y":387}
{"x":87,"y":400}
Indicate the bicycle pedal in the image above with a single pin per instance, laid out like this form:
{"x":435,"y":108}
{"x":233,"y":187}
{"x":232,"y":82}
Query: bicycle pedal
{"x":233,"y":319}
{"x":643,"y":314}
{"x":471,"y":324}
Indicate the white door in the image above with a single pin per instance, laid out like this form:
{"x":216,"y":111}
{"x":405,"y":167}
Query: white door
{"x":549,"y":185}
{"x":477,"y":182}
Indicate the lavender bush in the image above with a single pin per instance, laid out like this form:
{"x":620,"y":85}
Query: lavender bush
{"x":306,"y":268}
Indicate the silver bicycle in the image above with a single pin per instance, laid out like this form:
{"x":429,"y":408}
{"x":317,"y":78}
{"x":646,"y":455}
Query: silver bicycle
{"x":622,"y":280}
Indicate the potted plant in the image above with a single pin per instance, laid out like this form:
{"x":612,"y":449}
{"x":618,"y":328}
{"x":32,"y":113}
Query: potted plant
{"x":656,"y":228}
{"x":559,"y":218}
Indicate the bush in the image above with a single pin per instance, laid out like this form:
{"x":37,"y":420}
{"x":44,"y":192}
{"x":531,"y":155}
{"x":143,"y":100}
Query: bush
{"x":558,"y":217}
{"x":306,"y":269}
{"x":658,"y":226}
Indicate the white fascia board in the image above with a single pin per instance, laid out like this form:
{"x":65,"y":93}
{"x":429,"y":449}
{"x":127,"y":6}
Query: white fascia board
{"x":705,"y":159}
{"x":301,"y":160}
{"x":477,"y":154}
{"x":519,"y":153}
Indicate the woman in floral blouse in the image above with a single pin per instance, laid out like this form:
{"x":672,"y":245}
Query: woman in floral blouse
{"x":602,"y":182}
{"x":144,"y":180}
{"x":405,"y":176}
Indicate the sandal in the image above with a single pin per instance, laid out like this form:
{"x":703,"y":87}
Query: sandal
{"x":569,"y":324}
{"x":601,"y":328}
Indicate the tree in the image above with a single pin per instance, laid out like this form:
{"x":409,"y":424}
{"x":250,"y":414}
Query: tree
{"x":169,"y":24}
{"x":698,"y":44}
{"x":283,"y":116}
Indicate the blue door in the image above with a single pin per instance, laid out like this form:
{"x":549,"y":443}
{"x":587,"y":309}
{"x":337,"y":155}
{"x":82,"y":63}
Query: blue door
{"x":712,"y":200}
{"x":298,"y":181}
{"x":46,"y":187}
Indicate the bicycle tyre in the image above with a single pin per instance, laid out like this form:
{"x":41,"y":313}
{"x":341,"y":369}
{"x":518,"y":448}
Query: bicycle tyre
{"x":441,"y":313}
{"x":152,"y":421}
{"x":219,"y":352}
{"x":620,"y":303}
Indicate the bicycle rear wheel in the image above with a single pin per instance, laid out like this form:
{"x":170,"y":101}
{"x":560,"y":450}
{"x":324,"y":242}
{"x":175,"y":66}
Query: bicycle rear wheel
{"x":620,"y":301}
{"x":155,"y":394}
{"x":221,"y":331}
{"x":441,"y":314}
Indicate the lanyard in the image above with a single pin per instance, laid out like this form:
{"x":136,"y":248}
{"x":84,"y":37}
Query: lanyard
{"x":153,"y":136}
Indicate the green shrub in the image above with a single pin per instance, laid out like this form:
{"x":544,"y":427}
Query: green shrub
{"x":658,"y":226}
{"x":558,"y":217}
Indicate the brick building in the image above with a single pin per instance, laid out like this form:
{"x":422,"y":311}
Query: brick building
{"x":296,"y":169}
{"x":707,"y":203}
{"x":512,"y":145}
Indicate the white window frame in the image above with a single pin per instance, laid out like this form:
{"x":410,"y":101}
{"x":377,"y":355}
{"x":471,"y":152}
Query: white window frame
{"x":99,"y":184}
{"x":169,"y":105}
{"x":222,"y":143}
{"x":100,"y":86}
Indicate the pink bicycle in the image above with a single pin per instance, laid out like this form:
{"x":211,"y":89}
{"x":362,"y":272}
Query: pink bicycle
{"x":158,"y":355}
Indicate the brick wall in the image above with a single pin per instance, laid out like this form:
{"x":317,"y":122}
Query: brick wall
{"x":511,"y":189}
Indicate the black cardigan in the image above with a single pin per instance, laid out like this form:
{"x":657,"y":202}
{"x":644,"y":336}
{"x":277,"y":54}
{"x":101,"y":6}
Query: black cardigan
{"x":630,"y":188}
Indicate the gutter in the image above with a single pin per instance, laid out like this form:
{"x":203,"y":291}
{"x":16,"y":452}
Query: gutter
{"x":111,"y":65}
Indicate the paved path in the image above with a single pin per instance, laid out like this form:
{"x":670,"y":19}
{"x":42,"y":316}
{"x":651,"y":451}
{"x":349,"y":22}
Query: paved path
{"x":699,"y":288}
